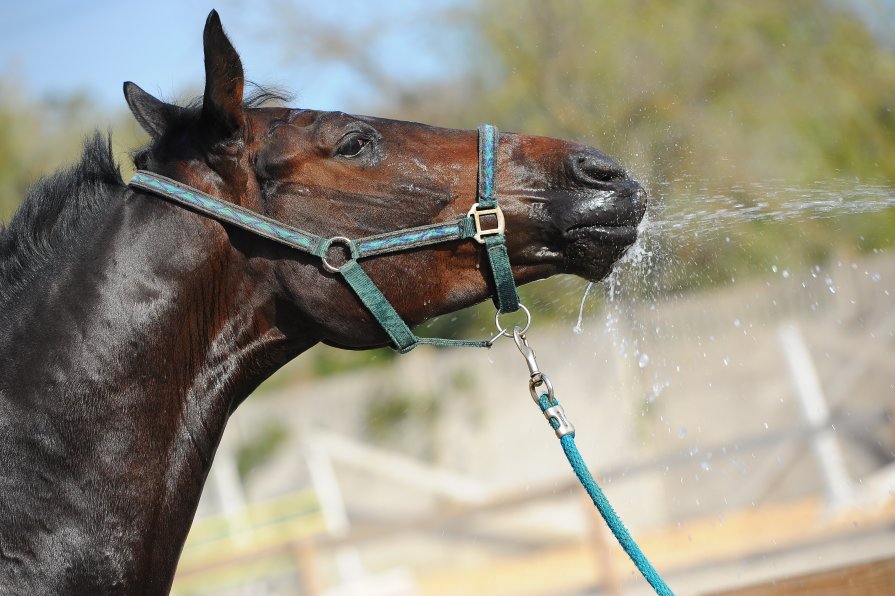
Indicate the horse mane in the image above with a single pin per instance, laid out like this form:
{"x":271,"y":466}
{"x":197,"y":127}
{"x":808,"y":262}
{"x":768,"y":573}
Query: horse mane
{"x":55,"y":210}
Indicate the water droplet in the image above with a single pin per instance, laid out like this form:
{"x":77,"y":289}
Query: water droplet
{"x":682,"y":432}
{"x":577,"y":330}
{"x":644,"y":360}
{"x":736,"y":323}
{"x":785,"y":274}
{"x":706,"y":466}
{"x":726,"y":361}
{"x":774,"y":268}
{"x":766,"y":426}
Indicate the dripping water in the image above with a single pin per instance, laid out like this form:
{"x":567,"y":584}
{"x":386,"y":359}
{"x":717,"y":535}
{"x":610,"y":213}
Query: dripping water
{"x":578,"y":330}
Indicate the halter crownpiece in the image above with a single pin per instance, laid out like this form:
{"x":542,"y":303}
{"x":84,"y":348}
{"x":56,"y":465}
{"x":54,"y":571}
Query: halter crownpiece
{"x":472,"y":226}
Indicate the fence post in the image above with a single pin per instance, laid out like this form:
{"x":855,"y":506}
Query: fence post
{"x":814,"y":408}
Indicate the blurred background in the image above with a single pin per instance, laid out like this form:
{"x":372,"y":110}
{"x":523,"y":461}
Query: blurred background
{"x":732,"y":382}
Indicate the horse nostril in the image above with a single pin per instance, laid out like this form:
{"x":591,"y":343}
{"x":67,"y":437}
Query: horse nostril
{"x":593,"y":167}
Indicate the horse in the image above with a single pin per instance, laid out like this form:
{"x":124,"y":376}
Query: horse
{"x":132,"y":327}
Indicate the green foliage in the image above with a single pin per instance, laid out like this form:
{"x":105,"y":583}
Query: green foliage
{"x":324,"y":361}
{"x":391,"y":417}
{"x":713,"y":89}
{"x":327,"y":362}
{"x":38,"y":136}
{"x":260,"y":448}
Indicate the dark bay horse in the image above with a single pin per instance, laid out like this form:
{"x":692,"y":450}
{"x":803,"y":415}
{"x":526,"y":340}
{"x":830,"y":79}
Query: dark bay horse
{"x":131,"y":328}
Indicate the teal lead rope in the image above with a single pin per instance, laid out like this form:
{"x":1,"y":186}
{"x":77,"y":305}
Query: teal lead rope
{"x":603,"y":506}
{"x":564,"y":430}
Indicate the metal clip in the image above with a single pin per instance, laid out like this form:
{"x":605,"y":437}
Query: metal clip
{"x":553,"y":413}
{"x":564,"y":427}
{"x":537,"y":378}
{"x":535,"y":382}
{"x":527,"y":352}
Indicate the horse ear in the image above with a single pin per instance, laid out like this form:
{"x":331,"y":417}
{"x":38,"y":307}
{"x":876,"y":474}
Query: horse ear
{"x":222,"y":108}
{"x":153,"y":114}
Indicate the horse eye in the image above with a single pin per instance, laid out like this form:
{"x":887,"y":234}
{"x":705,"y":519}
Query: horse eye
{"x":352,"y":146}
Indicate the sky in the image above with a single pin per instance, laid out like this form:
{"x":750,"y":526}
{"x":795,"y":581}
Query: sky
{"x":59,"y":47}
{"x":54,"y":48}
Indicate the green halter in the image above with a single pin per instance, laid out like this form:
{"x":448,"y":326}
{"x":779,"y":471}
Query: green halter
{"x":505,"y":296}
{"x":471,"y":226}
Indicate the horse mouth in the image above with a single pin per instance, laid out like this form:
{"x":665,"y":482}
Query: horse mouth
{"x":598,"y":230}
{"x":626,"y":235}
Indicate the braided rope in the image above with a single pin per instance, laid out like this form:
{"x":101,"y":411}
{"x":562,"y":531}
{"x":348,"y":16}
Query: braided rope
{"x":604,"y":507}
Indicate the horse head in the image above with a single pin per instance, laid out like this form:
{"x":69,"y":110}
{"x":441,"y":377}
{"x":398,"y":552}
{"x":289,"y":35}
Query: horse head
{"x":569,"y":208}
{"x":163,"y":321}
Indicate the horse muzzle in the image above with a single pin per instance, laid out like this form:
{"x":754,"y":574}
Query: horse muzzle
{"x":598,"y":219}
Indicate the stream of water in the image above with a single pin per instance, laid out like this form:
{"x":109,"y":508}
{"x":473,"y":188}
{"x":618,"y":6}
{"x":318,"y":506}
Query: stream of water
{"x":715,"y":214}
{"x":779,"y":202}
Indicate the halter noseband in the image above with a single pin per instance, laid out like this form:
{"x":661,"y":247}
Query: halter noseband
{"x":471,"y":226}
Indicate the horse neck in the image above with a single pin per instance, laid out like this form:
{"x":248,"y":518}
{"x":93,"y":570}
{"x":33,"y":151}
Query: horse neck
{"x":139,"y":344}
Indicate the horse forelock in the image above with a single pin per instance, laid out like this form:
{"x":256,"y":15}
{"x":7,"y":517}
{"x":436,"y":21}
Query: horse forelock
{"x":183,"y":117}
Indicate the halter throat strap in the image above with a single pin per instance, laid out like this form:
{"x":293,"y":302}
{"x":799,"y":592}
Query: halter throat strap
{"x":474,"y":225}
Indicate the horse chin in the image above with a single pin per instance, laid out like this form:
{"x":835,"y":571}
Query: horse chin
{"x":591,"y":251}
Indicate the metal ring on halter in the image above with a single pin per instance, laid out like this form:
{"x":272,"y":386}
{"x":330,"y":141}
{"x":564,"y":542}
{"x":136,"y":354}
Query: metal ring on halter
{"x":327,"y":244}
{"x":504,"y":330}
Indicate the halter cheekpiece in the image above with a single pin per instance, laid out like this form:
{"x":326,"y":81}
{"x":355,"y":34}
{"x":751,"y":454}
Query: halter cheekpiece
{"x":484,"y":223}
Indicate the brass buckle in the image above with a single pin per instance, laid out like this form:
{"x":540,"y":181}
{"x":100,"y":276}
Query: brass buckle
{"x":477,"y":214}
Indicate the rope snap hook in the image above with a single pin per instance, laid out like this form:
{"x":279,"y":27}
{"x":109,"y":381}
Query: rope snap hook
{"x":538,"y":382}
